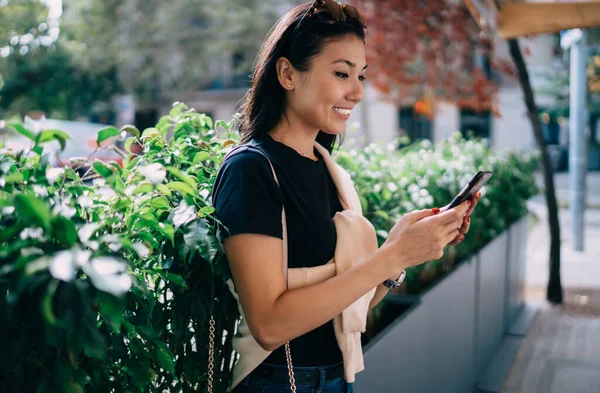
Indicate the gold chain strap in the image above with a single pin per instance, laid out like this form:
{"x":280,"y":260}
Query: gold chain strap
{"x":211,"y":353}
{"x":288,"y":355}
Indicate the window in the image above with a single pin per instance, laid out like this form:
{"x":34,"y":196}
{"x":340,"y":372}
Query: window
{"x":413,"y":125}
{"x":477,"y":123}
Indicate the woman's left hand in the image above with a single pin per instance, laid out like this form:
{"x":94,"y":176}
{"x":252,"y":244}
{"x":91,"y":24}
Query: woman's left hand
{"x":466,"y":221}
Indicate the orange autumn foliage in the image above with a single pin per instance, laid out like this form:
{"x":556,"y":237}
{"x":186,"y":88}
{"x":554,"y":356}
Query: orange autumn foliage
{"x":417,"y":46}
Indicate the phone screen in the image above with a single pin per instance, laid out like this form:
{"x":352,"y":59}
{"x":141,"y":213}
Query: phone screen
{"x":469,"y":191}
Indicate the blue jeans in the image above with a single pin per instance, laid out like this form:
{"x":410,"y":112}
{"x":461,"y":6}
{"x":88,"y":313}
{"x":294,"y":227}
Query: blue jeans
{"x":255,"y":384}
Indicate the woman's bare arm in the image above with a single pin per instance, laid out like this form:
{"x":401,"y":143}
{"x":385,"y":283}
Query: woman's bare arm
{"x":276,"y":315}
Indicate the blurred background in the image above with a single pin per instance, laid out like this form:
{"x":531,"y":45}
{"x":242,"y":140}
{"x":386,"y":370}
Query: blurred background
{"x":126,"y":62}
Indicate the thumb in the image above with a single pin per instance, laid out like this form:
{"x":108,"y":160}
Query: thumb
{"x":421,"y":214}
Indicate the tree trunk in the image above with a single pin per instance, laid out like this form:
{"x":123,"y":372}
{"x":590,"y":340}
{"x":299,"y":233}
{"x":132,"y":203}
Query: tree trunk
{"x":554,"y":292}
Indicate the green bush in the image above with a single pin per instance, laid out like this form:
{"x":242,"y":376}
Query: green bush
{"x":114,"y":271}
{"x":392,"y":182}
{"x":107,"y":278}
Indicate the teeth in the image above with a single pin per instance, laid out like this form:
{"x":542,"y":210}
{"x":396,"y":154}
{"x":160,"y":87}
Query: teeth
{"x":343,"y":111}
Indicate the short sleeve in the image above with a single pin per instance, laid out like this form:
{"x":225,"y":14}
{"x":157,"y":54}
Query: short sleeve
{"x":247,"y":199}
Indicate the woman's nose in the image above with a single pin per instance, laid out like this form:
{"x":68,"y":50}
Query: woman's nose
{"x":356,"y":95}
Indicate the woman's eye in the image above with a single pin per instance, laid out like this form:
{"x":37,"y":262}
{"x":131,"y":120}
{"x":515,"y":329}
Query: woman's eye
{"x":342,"y":75}
{"x":362,"y":78}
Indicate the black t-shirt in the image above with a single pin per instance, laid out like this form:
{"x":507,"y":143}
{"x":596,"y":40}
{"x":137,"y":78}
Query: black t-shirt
{"x":249,"y":201}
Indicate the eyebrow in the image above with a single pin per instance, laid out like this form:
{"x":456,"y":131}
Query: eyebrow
{"x":351,"y":64}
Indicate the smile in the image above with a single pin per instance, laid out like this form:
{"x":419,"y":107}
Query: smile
{"x":344,"y":112}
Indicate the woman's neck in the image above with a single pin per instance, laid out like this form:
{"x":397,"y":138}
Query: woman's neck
{"x":300,"y":138}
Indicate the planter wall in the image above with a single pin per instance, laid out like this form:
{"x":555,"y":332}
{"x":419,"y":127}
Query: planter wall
{"x":517,"y":253}
{"x":491,"y":290}
{"x":450,"y":335}
{"x":423,"y":344}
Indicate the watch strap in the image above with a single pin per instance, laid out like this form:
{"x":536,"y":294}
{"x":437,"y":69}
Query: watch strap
{"x":391,"y":284}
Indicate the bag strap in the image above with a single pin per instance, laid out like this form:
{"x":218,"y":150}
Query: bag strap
{"x":252,"y":147}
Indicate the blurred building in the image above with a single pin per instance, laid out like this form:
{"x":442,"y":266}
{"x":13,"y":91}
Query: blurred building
{"x":380,"y":121}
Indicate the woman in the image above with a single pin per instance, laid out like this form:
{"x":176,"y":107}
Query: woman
{"x":307,"y":79}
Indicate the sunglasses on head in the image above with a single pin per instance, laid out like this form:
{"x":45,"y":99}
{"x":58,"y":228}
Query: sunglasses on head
{"x":339,"y":12}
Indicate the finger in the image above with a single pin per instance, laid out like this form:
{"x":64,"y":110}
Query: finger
{"x":455,"y":241}
{"x":451,"y":236}
{"x":418,"y":215}
{"x":466,"y":225}
{"x":452,"y":214}
{"x":474,"y":203}
{"x":453,"y":225}
{"x":454,"y":221}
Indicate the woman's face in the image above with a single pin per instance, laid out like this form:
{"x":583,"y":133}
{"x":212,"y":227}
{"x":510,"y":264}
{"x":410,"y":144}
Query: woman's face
{"x":328,"y":92}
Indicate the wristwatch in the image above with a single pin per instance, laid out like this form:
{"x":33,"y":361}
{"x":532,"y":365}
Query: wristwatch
{"x":391,"y":284}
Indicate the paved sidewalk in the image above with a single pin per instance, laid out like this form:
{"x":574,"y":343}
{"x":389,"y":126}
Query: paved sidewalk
{"x":561,"y":353}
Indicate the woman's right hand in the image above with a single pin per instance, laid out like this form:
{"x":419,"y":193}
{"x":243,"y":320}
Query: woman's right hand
{"x":421,"y":236}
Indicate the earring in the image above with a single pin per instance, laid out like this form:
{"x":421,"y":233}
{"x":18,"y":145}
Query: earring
{"x":289,"y":86}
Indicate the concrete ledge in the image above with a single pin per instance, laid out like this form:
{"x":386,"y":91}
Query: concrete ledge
{"x":522,"y":324}
{"x":494,"y":376}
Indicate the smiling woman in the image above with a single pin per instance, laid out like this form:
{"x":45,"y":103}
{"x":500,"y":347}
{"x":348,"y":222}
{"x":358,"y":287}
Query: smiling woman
{"x":311,"y":63}
{"x":304,"y":261}
{"x":308,"y":77}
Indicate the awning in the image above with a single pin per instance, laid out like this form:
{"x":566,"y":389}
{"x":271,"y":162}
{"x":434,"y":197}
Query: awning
{"x":513,"y":18}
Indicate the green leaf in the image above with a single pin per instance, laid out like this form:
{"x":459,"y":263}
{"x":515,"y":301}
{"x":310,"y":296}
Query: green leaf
{"x":160,"y":203}
{"x":131,"y":129}
{"x":382,"y":214}
{"x":14,"y":177}
{"x":75,"y":387}
{"x":150,"y":133}
{"x":141,"y":373}
{"x":22,"y":130}
{"x":111,"y":309}
{"x":147,"y":333}
{"x":132,"y":163}
{"x":64,"y":230}
{"x":221,"y":123}
{"x":143,"y":188}
{"x":165,"y":357}
{"x":33,"y":210}
{"x":46,"y":304}
{"x":106,"y":133}
{"x":175,"y":279}
{"x":49,"y":135}
{"x":128,"y":142}
{"x":102,"y":169}
{"x":202,"y":156}
{"x":181,"y":176}
{"x":164,"y":189}
{"x":181,"y":187}
{"x":182,"y":129}
{"x":386,"y":194}
{"x":207,"y":210}
{"x":168,"y":231}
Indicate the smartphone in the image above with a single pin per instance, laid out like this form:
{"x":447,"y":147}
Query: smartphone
{"x":469,"y":191}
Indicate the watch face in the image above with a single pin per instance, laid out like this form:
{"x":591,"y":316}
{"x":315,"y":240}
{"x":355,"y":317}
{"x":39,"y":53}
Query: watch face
{"x":402,"y":276}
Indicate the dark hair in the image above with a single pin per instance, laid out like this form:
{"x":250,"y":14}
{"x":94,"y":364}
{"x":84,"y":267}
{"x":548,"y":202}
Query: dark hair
{"x":265,"y":102}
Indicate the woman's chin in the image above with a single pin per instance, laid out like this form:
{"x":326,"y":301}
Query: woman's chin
{"x":337,"y":130}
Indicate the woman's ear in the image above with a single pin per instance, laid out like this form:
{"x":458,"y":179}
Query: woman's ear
{"x":285,"y":73}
